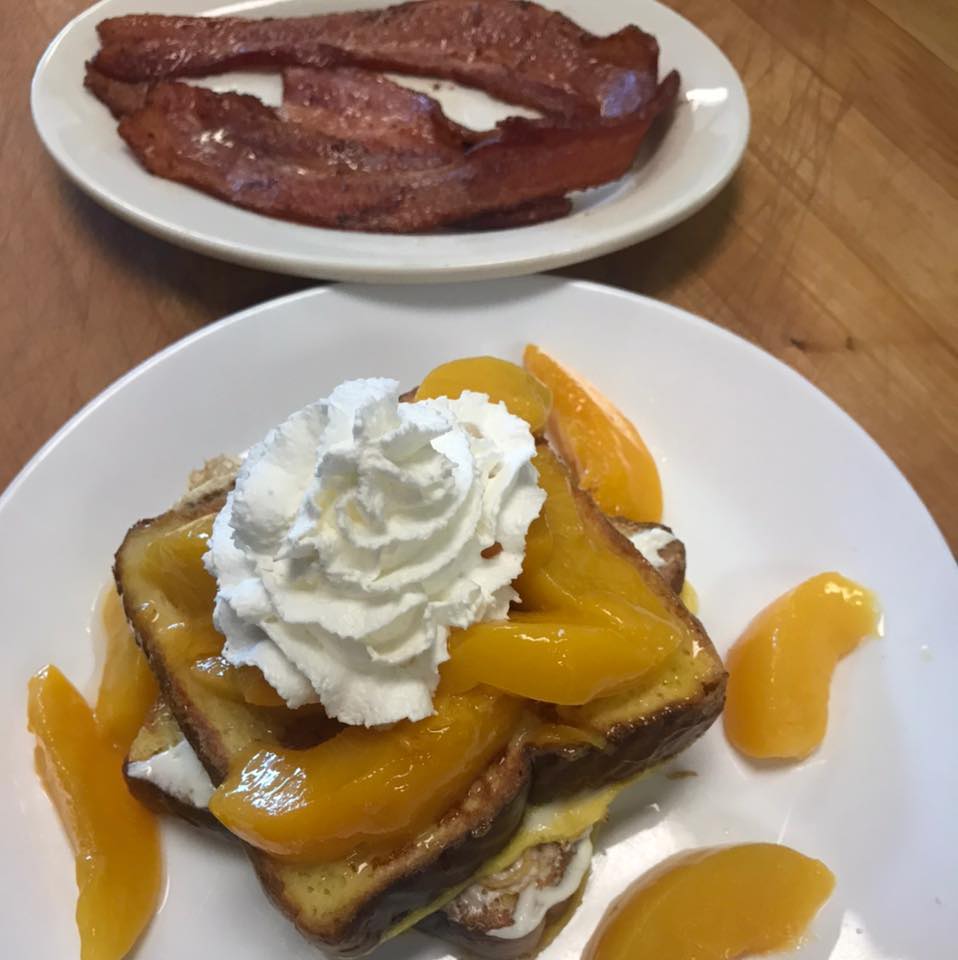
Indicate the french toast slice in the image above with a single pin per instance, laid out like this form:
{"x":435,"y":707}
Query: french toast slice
{"x":486,"y":905}
{"x":348,"y":907}
{"x":344,"y":906}
{"x":652,"y":720}
{"x":528,"y":897}
{"x":552,"y":871}
{"x":640,"y":728}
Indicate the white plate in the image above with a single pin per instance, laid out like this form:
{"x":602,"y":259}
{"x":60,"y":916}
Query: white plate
{"x":766,"y":480}
{"x":697,"y":156}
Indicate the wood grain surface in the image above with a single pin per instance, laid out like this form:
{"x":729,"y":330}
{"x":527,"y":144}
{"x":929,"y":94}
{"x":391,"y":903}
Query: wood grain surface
{"x":835,"y":247}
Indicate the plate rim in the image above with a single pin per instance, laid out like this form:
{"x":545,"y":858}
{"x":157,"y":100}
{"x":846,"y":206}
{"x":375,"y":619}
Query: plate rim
{"x":533,"y":283}
{"x":327,"y":265}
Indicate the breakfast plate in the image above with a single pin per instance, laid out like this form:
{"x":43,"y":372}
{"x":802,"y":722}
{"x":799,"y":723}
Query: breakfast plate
{"x":682,"y":165}
{"x":765,"y":479}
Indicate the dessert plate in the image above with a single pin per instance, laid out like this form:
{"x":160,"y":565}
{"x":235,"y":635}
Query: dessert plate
{"x":766,"y":480}
{"x":693,"y":159}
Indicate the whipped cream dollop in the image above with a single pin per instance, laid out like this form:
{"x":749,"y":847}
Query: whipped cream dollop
{"x":359,"y":531}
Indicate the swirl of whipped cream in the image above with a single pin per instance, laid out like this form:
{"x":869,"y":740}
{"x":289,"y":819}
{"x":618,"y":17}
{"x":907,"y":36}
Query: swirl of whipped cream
{"x":353,"y":541}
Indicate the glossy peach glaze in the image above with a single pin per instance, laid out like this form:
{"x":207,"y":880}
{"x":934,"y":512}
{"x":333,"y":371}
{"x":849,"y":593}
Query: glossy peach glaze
{"x":243,"y":684}
{"x":780,"y":669}
{"x":128,"y":687}
{"x":174,"y":563}
{"x":610,"y":460}
{"x":365,"y":788}
{"x":115,"y":840}
{"x":523,"y":394}
{"x":588,"y":624}
{"x":716,"y":905}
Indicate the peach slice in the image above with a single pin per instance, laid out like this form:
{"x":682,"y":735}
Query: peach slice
{"x":128,"y":687}
{"x":589,"y":624}
{"x":780,"y":670}
{"x":175,"y":563}
{"x":115,"y":840}
{"x":365,"y":788}
{"x":562,"y":662}
{"x":714,"y":905}
{"x":523,"y":394}
{"x":603,"y":447}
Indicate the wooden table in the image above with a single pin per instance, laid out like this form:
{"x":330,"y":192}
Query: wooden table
{"x":835,"y":247}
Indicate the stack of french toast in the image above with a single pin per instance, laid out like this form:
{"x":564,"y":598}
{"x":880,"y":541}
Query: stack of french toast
{"x":499,"y":867}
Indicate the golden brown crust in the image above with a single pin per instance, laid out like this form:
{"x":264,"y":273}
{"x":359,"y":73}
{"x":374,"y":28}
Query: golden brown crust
{"x":633,"y":748}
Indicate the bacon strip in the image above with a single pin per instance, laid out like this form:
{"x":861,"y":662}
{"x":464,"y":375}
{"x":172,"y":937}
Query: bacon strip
{"x":341,"y":102}
{"x":234,"y":147}
{"x":518,"y":52}
{"x":359,"y":105}
{"x":120,"y":97}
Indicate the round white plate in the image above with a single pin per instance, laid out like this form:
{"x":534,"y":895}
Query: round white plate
{"x":694,"y":159}
{"x":767,"y":481}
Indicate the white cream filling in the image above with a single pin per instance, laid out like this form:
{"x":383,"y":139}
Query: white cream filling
{"x":176,"y":771}
{"x":650,"y":543}
{"x":535,"y":902}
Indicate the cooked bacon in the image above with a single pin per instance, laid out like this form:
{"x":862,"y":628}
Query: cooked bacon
{"x":518,"y":52}
{"x":351,"y":149}
{"x":236,"y":148}
{"x":525,"y":215}
{"x":359,"y":105}
{"x":121,"y":98}
{"x":236,"y":135}
{"x":343,"y":102}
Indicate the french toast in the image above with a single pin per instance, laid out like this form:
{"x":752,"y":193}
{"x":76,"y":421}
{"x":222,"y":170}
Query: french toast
{"x":550,"y":871}
{"x":471,"y":919}
{"x":523,"y":898}
{"x":348,"y":907}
